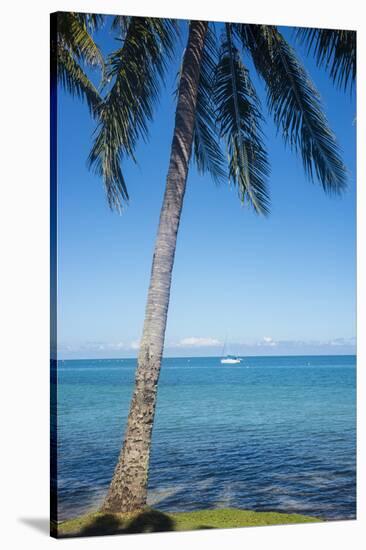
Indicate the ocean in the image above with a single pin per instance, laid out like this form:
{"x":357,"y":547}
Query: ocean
{"x":273,"y":433}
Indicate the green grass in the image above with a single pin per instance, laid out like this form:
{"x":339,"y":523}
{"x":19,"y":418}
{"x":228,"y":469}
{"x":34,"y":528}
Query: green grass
{"x":153,"y":521}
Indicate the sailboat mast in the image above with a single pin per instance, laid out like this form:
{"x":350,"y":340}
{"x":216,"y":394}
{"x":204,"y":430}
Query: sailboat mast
{"x":224,"y":348}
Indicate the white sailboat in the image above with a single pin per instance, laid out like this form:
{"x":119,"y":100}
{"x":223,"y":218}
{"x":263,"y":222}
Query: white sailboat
{"x":228,"y":359}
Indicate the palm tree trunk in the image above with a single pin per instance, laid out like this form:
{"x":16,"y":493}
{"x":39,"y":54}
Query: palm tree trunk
{"x":128,"y":489}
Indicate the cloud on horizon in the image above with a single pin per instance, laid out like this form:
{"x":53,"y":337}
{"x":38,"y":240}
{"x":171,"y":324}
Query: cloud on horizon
{"x":197,"y":342}
{"x":267,"y":341}
{"x":207,"y":345}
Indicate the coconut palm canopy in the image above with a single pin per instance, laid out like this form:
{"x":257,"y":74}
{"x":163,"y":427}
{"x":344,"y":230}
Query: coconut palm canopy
{"x":228,"y":136}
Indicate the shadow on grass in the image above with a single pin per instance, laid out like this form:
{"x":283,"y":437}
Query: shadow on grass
{"x":108,"y":524}
{"x":151,"y":522}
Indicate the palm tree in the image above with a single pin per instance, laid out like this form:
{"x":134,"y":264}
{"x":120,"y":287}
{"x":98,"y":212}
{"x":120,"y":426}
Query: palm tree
{"x":216,"y":104}
{"x":129,"y":485}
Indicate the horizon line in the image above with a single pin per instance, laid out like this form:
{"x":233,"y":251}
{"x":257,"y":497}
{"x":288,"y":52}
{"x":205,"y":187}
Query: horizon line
{"x":209,"y":356}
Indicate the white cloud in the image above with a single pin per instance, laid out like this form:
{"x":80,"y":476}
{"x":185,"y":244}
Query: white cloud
{"x":343,"y":342}
{"x":118,"y":345}
{"x":103,"y":346}
{"x":196,"y":342}
{"x":92,"y":346}
{"x":267,"y":341}
{"x":135,"y":344}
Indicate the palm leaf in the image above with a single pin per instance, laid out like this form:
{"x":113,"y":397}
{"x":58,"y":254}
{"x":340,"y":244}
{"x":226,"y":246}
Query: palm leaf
{"x":136,"y":71}
{"x":333,"y":49}
{"x":239,"y":117}
{"x":207,"y":153}
{"x":75,"y":81}
{"x":93,"y":21}
{"x":73,"y":34}
{"x":121,"y":22}
{"x":73,"y":48}
{"x":295,"y":105}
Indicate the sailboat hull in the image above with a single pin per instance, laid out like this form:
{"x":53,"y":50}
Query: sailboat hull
{"x":230,"y":361}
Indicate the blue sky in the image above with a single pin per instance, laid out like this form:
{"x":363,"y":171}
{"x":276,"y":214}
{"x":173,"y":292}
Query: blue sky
{"x":278,"y":285}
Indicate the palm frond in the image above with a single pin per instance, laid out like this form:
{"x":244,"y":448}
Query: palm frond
{"x":333,"y":49}
{"x":73,"y":34}
{"x":73,"y":48}
{"x":75,"y":81}
{"x":295,"y":105}
{"x":93,"y":21}
{"x":207,"y":153}
{"x":136,"y":71}
{"x":121,"y":22}
{"x":240,"y":118}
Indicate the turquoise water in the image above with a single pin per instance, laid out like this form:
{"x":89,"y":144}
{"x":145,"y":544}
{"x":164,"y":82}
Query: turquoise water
{"x":273,"y":433}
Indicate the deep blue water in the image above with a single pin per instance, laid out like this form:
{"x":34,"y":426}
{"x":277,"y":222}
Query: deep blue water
{"x":273,"y":433}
